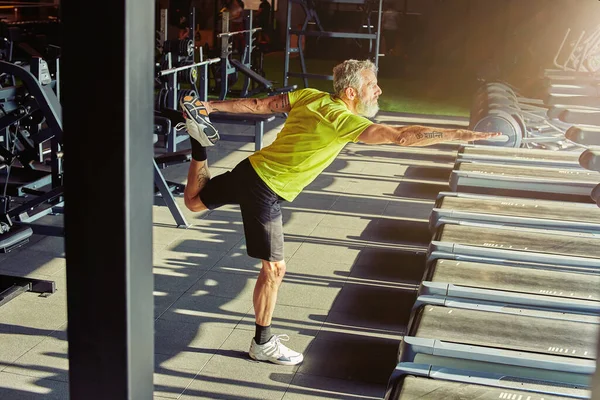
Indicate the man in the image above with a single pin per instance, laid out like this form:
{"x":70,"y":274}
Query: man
{"x":263,"y":18}
{"x":318,"y":127}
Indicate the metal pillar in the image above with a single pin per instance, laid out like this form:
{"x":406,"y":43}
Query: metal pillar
{"x":108,"y":197}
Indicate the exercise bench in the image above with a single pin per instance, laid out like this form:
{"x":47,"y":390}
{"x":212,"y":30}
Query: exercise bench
{"x":256,"y":120}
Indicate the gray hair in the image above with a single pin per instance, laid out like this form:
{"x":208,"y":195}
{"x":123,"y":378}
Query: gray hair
{"x":349,"y":74}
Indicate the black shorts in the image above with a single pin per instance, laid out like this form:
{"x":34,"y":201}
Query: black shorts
{"x":261,"y":211}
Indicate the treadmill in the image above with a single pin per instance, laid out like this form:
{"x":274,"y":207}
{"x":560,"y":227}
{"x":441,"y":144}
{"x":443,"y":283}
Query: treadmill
{"x":590,"y":159}
{"x":524,"y":181}
{"x":514,"y":211}
{"x":512,"y":289}
{"x":584,"y":135}
{"x":468,"y":241}
{"x":519,"y":156}
{"x":531,"y":347}
{"x":417,"y":381}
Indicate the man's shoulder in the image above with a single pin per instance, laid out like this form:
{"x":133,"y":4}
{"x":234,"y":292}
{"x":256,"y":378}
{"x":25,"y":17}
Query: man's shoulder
{"x":306,"y":95}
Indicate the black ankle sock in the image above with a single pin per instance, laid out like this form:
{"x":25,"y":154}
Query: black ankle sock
{"x":198,"y":152}
{"x":263,"y":334}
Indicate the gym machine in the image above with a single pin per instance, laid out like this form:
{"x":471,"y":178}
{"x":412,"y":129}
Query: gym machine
{"x":531,"y":347}
{"x":412,"y":380}
{"x":372,"y":8}
{"x":511,"y":211}
{"x":519,"y":156}
{"x":166,"y":119}
{"x":171,"y":93}
{"x":230,"y":67}
{"x":552,"y":123}
{"x":544,"y":183}
{"x":32,"y":141}
{"x":461,"y":240}
{"x":507,"y":288}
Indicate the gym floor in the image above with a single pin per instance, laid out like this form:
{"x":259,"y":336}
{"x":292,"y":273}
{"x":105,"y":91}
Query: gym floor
{"x":355,"y":242}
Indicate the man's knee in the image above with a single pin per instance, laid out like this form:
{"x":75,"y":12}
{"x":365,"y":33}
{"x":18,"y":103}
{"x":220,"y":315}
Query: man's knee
{"x":193,"y":203}
{"x":274,"y":270}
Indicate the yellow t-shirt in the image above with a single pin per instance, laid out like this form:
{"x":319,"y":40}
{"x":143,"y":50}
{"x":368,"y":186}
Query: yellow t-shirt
{"x":317,"y":129}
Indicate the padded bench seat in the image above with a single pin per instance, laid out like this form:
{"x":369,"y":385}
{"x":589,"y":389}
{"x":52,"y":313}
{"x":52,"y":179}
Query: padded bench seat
{"x":256,"y":120}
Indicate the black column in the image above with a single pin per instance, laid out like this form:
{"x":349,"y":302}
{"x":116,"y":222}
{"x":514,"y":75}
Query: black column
{"x":107,"y":69}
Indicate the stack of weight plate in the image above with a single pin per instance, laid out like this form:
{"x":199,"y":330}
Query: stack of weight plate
{"x":524,"y":122}
{"x":509,"y":305}
{"x":590,"y":159}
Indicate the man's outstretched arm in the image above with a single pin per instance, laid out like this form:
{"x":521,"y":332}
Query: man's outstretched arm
{"x":269,"y":105}
{"x":417,"y":135}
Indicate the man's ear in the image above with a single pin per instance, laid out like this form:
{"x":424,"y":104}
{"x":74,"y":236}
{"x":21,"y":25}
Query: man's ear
{"x":350,"y":93}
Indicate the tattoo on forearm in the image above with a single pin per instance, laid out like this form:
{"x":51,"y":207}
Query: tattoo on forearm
{"x":282,"y":102}
{"x":430,"y":135}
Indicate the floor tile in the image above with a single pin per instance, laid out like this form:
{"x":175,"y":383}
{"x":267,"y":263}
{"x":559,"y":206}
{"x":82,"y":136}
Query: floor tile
{"x":171,"y":383}
{"x":208,"y":311}
{"x":310,"y":387}
{"x":387,"y":265}
{"x":376,"y":306}
{"x":49,"y":359}
{"x":32,"y":262}
{"x":351,"y":357}
{"x":22,"y":387}
{"x":233,"y":375}
{"x":309,"y":294}
{"x":290,"y":320}
{"x":239,"y":285}
{"x":200,"y":259}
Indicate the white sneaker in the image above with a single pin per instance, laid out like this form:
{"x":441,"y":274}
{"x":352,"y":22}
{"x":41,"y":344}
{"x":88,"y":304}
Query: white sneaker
{"x":275,"y":352}
{"x":197,"y":122}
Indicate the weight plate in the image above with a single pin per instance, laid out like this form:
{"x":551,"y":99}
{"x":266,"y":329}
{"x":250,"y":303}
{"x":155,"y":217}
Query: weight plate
{"x":499,"y":99}
{"x":186,"y":48}
{"x":500,"y":121}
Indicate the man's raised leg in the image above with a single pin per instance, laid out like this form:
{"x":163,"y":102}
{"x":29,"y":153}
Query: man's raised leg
{"x":198,"y":177}
{"x":202,"y":134}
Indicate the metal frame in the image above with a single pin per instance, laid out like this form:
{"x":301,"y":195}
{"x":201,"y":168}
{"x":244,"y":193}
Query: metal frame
{"x":576,"y":361}
{"x":311,"y":17}
{"x":510,"y":252}
{"x":514,"y":211}
{"x":568,"y":182}
{"x":108,"y":200}
{"x":167,"y":197}
{"x":510,"y":384}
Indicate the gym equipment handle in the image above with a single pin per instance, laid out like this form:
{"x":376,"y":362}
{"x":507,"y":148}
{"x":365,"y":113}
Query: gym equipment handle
{"x":238,"y":32}
{"x":177,"y":69}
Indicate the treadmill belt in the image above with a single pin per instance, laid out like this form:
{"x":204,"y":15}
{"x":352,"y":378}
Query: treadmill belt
{"x":517,"y":279}
{"x":433,"y":389}
{"x":522,"y":208}
{"x":521,"y":240}
{"x":508,"y":331}
{"x":568,"y":175}
{"x":521,"y":154}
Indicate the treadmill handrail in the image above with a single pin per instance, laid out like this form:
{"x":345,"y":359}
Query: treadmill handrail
{"x":500,"y":356}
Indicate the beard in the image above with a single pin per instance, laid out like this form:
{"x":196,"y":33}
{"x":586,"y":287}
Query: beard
{"x":367,"y":109}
